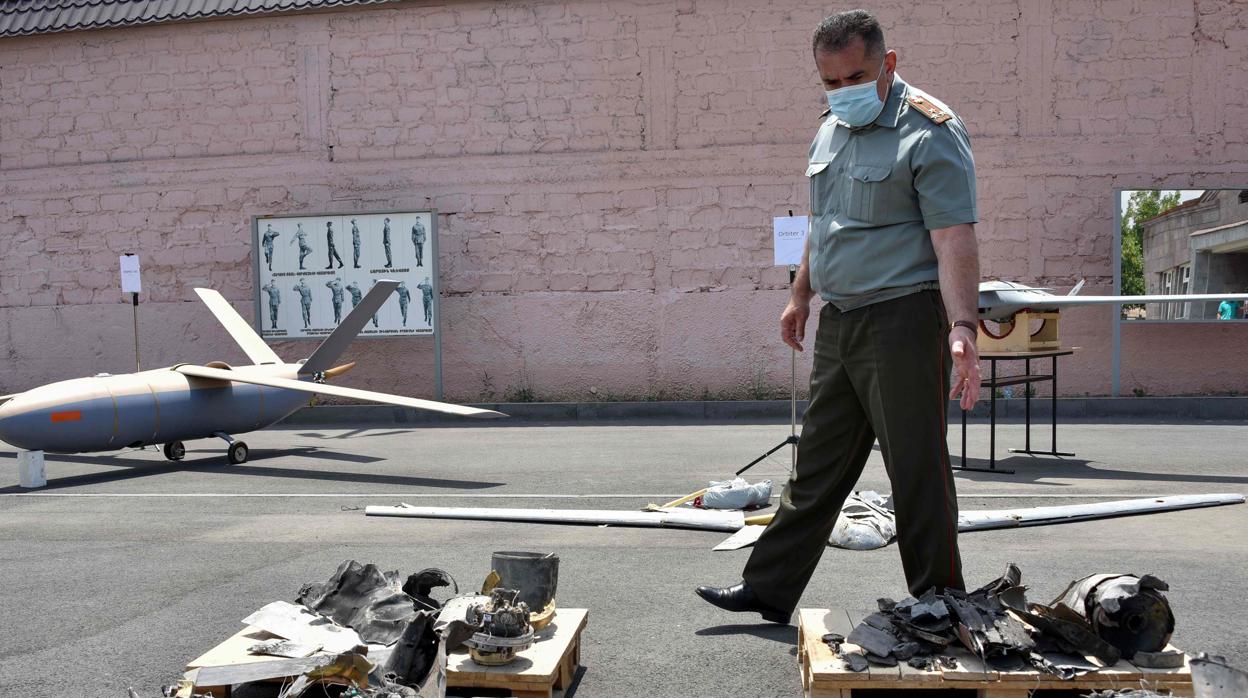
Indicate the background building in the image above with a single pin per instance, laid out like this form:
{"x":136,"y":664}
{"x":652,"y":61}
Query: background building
{"x":1200,"y":246}
{"x":605,"y":171}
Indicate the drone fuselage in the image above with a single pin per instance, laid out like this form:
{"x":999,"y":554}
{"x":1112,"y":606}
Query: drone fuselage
{"x":111,"y":412}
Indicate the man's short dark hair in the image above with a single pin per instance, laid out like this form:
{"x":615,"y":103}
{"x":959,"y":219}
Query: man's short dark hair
{"x":839,"y":30}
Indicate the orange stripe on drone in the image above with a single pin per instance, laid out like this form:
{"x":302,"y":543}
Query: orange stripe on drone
{"x":70,"y":416}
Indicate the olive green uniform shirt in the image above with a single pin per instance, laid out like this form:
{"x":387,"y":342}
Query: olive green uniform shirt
{"x":877,"y":191}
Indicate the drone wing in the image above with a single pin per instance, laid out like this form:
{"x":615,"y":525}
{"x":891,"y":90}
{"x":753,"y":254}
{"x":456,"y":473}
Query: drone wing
{"x":988,"y":520}
{"x":698,"y":519}
{"x":1052,"y":301}
{"x":246,"y":338}
{"x":335,"y":390}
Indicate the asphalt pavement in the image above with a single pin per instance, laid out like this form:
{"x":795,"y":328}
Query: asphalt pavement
{"x":127,"y":566}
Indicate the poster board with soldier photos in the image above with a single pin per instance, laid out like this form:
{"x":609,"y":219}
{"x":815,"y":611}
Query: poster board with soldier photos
{"x":311,"y":269}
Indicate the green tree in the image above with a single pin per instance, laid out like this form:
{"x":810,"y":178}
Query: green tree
{"x":1141,"y":206}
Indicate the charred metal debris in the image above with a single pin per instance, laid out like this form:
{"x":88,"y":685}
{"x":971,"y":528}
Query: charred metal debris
{"x":383,"y":609}
{"x":378,"y":634}
{"x":1095,"y":622}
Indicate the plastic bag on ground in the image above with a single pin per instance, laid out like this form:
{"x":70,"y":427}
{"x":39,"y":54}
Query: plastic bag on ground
{"x":736,"y":494}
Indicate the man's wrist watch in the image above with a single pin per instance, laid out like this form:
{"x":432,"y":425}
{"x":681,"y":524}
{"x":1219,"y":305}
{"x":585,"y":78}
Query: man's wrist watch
{"x":968,"y":324}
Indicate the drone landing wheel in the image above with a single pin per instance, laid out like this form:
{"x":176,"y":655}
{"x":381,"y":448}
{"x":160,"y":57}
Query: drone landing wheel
{"x":237,"y":453}
{"x":175,"y":450}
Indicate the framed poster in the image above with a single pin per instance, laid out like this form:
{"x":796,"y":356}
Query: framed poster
{"x":311,"y":269}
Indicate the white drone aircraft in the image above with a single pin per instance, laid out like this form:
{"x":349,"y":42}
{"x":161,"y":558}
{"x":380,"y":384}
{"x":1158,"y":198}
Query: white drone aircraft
{"x":192,"y":401}
{"x":1000,"y":301}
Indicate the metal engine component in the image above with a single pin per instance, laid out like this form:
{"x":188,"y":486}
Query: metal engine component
{"x":505,"y":628}
{"x":1131,"y":613}
{"x":534,"y":575}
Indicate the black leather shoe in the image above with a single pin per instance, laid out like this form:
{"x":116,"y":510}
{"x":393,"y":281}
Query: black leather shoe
{"x":740,"y":598}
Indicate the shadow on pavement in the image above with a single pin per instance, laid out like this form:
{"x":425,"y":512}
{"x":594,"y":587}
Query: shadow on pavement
{"x":1032,"y":469}
{"x":132,"y":469}
{"x":353,"y":434}
{"x":786,"y":634}
{"x":301,"y":451}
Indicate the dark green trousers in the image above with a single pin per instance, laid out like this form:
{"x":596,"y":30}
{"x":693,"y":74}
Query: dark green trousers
{"x":880,"y":372}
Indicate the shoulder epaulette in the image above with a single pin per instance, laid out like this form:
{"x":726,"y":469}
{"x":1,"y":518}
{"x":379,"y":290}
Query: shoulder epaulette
{"x":928,"y":109}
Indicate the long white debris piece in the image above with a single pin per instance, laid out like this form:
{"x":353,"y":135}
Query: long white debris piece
{"x":1071,"y":513}
{"x":699,"y":519}
{"x":860,"y":527}
{"x":853,"y":531}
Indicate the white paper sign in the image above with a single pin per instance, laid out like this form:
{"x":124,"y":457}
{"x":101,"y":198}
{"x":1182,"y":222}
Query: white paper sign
{"x":130,"y":274}
{"x":790,"y":239}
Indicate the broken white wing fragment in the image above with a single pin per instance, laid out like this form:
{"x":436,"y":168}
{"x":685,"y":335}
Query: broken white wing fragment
{"x":744,"y":538}
{"x":297,"y":623}
{"x":699,"y":519}
{"x":335,"y":390}
{"x":865,"y":522}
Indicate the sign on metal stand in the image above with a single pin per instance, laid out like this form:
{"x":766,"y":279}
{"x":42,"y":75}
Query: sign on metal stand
{"x":130,"y":283}
{"x":789,"y":241}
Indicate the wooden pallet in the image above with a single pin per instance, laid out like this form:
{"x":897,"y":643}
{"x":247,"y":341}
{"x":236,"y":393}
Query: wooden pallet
{"x":549,"y":665}
{"x":824,"y":675}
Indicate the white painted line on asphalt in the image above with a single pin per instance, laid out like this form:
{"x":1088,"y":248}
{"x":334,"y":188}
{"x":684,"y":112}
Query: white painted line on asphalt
{"x":441,"y":495}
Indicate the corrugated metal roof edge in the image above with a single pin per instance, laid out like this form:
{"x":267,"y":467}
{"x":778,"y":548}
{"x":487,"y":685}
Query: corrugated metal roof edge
{"x":112,"y":24}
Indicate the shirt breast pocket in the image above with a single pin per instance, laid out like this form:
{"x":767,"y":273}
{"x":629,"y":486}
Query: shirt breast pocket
{"x":865,"y":196}
{"x":819,"y":188}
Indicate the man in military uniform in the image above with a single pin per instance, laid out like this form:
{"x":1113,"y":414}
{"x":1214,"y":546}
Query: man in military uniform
{"x":374,"y":284}
{"x":418,"y":241}
{"x":892,"y":250}
{"x":333,"y":251}
{"x":355,"y":242}
{"x":267,"y":243}
{"x":405,"y":297}
{"x":305,"y":300}
{"x":426,"y":297}
{"x":304,"y":248}
{"x":385,"y":241}
{"x":335,"y":288}
{"x":356,"y":294}
{"x":275,"y":300}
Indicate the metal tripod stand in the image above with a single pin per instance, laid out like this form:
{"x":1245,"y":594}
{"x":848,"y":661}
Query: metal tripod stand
{"x":793,"y":437}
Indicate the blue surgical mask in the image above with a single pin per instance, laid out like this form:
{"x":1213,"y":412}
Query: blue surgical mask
{"x":857,"y":105}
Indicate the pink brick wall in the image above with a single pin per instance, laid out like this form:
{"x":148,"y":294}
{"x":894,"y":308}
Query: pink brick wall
{"x":605,"y":174}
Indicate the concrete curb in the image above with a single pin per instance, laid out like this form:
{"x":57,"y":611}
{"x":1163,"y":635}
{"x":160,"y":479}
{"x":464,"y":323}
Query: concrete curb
{"x":1072,"y":409}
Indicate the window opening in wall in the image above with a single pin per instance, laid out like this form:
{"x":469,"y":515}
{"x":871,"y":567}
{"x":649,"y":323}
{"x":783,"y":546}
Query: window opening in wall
{"x":1167,"y":287}
{"x":1185,"y":284}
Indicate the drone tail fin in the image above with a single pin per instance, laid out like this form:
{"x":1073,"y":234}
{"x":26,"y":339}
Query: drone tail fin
{"x":246,"y":338}
{"x":337,"y":342}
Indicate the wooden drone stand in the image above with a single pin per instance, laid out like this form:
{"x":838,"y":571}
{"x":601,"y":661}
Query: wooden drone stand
{"x":1016,"y":335}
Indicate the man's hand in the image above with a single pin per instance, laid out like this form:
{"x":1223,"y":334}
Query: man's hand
{"x":965,"y":365}
{"x":793,"y":321}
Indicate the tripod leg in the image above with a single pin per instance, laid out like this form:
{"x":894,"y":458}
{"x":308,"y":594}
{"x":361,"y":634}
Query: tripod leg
{"x":758,"y":460}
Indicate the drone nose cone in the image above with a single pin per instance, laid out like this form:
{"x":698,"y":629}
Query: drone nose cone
{"x":10,"y":427}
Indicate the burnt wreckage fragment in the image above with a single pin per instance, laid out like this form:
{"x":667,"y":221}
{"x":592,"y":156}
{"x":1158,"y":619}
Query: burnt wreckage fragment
{"x":385,"y":609}
{"x":1128,"y":612}
{"x":1106,"y":616}
{"x":373,"y":603}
